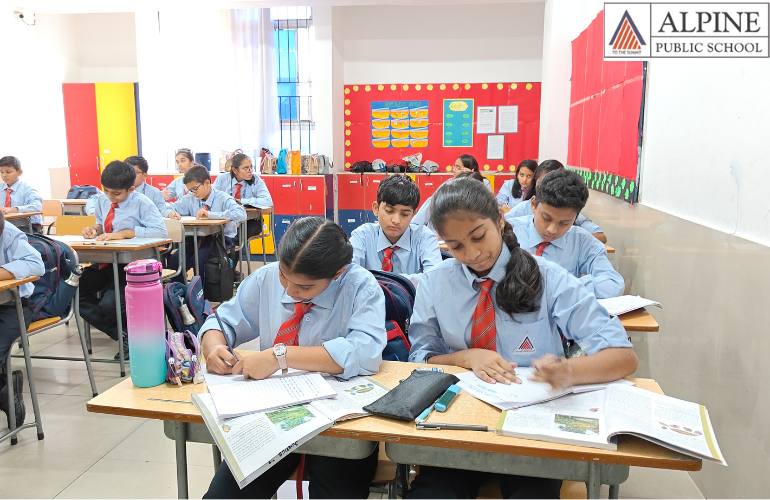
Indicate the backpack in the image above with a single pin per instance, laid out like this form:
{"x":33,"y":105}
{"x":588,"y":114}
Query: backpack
{"x":399,"y":299}
{"x":219,"y":277}
{"x":362,"y":166}
{"x":81,"y":192}
{"x":52,"y":296}
{"x":186,"y":308}
{"x":183,"y":354}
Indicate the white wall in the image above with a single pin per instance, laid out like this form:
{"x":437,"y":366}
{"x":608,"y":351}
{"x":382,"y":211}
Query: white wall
{"x":103,"y":47}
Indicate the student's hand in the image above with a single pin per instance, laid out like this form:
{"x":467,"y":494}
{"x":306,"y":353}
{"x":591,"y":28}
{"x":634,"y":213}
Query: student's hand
{"x":202,"y":213}
{"x":109,"y":236}
{"x":490,"y":367}
{"x":166,"y":194}
{"x":90,"y":232}
{"x":10,"y":210}
{"x":173,"y":215}
{"x":220,"y":360}
{"x":554,"y":370}
{"x":257,"y":366}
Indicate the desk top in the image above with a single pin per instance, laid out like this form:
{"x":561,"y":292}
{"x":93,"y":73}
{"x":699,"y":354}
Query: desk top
{"x":204,"y":222}
{"x":639,"y":321}
{"x":21,"y":215}
{"x":125,"y":399}
{"x":113,"y":245}
{"x":8,"y":284}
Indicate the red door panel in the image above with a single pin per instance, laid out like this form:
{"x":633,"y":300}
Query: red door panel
{"x":82,"y":133}
{"x":312,"y":196}
{"x":350,"y":192}
{"x":371,"y":185}
{"x":285,"y":195}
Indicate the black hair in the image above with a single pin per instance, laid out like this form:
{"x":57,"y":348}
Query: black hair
{"x":542,"y":169}
{"x":469,"y":162}
{"x":398,"y":190}
{"x":118,"y":175}
{"x":471,"y":175}
{"x":10,"y":161}
{"x":186,"y":152}
{"x":315,"y":247}
{"x":138,"y":161}
{"x":235,"y":162}
{"x":197,"y":173}
{"x":562,"y":189}
{"x":520,"y":290}
{"x":516,"y":189}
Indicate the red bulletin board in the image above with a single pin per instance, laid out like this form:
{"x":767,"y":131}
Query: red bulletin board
{"x":372,"y":127}
{"x":606,"y":100}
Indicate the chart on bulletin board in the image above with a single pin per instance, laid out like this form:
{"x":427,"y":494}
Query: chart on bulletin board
{"x":498,"y":123}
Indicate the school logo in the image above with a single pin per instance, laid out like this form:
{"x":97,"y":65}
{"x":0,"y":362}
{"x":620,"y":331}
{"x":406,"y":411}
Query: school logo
{"x":526,"y":346}
{"x":627,"y":37}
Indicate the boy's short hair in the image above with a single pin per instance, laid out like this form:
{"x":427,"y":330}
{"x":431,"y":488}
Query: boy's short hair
{"x":10,"y":161}
{"x":138,"y":161}
{"x":197,"y":173}
{"x":562,"y":189}
{"x":118,"y":175}
{"x":398,"y":190}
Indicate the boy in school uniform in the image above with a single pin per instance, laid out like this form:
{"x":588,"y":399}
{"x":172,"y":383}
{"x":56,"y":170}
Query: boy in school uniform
{"x":550,"y":232}
{"x":17,"y":195}
{"x":392,"y":243}
{"x":18,"y":259}
{"x":205,"y":202}
{"x":121,"y":213}
{"x":141,"y":167}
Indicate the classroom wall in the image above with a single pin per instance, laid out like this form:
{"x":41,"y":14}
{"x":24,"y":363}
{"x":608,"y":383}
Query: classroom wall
{"x":103,"y":47}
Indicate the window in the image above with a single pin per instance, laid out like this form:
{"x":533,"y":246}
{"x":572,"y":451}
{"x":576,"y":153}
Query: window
{"x":292,"y":39}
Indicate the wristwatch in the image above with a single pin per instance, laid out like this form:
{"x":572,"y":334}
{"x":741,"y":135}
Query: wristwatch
{"x":279,"y":351}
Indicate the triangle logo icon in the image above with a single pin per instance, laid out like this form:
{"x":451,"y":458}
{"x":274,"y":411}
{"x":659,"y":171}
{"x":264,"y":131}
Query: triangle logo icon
{"x":627,"y":36}
{"x":526,"y":346}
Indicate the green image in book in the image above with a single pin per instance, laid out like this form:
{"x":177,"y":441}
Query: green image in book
{"x":287,"y":419}
{"x":577,"y":425}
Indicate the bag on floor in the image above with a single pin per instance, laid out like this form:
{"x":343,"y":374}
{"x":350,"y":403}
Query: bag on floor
{"x":52,"y":296}
{"x":186,"y":307}
{"x":219,"y":278}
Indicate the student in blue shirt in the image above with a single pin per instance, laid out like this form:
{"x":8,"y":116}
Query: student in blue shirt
{"x":121,"y":213}
{"x":526,"y":208}
{"x":17,"y":260}
{"x":312,"y":310}
{"x":17,"y":195}
{"x":205,"y":202}
{"x":392,"y":244}
{"x":140,"y":184}
{"x":184,"y":161}
{"x":550,"y":232}
{"x":513,"y":191}
{"x":495,"y":307}
{"x":247,"y":189}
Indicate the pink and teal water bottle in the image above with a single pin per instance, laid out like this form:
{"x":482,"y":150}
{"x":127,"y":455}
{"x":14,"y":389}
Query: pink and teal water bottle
{"x":146,"y":323}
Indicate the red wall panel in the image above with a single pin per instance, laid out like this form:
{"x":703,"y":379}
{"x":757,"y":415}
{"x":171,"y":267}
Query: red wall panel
{"x":82,"y":133}
{"x":312,"y":195}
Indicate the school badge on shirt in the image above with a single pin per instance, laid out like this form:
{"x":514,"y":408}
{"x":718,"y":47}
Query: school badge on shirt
{"x":526,"y":346}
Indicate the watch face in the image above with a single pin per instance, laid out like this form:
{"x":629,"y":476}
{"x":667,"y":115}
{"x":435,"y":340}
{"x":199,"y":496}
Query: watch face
{"x":279,"y":349}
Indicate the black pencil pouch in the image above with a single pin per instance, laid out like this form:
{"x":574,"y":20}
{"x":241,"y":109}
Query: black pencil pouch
{"x":410,"y":397}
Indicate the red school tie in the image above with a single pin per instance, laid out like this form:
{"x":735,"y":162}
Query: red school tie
{"x":289,"y":332}
{"x":8,"y":192}
{"x":387,"y":259}
{"x":483,"y":329}
{"x":541,"y":248}
{"x":110,"y":217}
{"x":237,"y":192}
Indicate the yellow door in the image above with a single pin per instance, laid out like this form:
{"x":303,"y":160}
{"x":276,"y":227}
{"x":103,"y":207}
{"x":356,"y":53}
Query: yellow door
{"x":115,"y":121}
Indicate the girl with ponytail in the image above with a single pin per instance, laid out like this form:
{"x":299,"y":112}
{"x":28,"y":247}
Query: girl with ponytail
{"x":505,"y":308}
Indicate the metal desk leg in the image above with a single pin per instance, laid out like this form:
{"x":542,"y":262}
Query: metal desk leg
{"x":28,"y":363}
{"x":614,"y":491}
{"x":593,"y":483}
{"x":29,"y":223}
{"x":180,"y":438}
{"x":183,"y":257}
{"x":118,"y":313}
{"x":195,"y":250}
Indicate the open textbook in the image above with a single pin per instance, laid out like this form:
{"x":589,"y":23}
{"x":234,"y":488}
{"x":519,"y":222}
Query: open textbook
{"x":528,"y":392}
{"x":594,"y":419}
{"x":253,"y":443}
{"x":626,"y":303}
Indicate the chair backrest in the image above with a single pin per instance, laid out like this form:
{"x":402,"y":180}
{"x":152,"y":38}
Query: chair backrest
{"x":52,"y":208}
{"x":175,"y":230}
{"x":74,"y":224}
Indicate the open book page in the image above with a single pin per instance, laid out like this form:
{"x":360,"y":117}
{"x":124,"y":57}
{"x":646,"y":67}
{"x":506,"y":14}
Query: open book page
{"x":236,"y":396}
{"x":352,"y":396}
{"x":680,"y":425}
{"x":626,"y":303}
{"x":574,"y":419}
{"x":253,"y":443}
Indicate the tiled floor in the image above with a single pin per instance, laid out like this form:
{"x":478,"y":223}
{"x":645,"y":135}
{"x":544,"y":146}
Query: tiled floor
{"x":87,"y":455}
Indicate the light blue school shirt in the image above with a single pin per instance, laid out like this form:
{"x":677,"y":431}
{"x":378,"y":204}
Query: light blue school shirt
{"x":578,"y":252}
{"x":177,"y":188}
{"x":505,"y":195}
{"x":155,"y":196}
{"x":525,"y":208}
{"x":347,"y":319}
{"x":255,"y":194}
{"x":90,"y":208}
{"x":19,"y":258}
{"x":25,"y":198}
{"x":137,"y":212}
{"x":422,"y":217}
{"x":417,"y":249}
{"x":448,"y":294}
{"x":220,"y":206}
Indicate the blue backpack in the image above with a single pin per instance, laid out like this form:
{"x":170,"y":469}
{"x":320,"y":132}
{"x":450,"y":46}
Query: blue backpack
{"x":186,"y":307}
{"x":81,"y":192}
{"x":52,"y":296}
{"x":399,"y":300}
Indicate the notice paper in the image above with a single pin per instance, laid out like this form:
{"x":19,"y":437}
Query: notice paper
{"x":486,"y":120}
{"x":495,"y":147}
{"x":509,"y":119}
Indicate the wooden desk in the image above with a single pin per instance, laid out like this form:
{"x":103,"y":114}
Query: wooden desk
{"x":12,"y":286}
{"x":639,"y":321}
{"x":22,"y":216}
{"x":73,"y":207}
{"x":116,"y":253}
{"x":203,"y":227}
{"x":405,"y":444}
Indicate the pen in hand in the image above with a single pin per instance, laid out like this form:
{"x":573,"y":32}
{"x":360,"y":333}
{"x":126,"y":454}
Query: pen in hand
{"x":229,"y":348}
